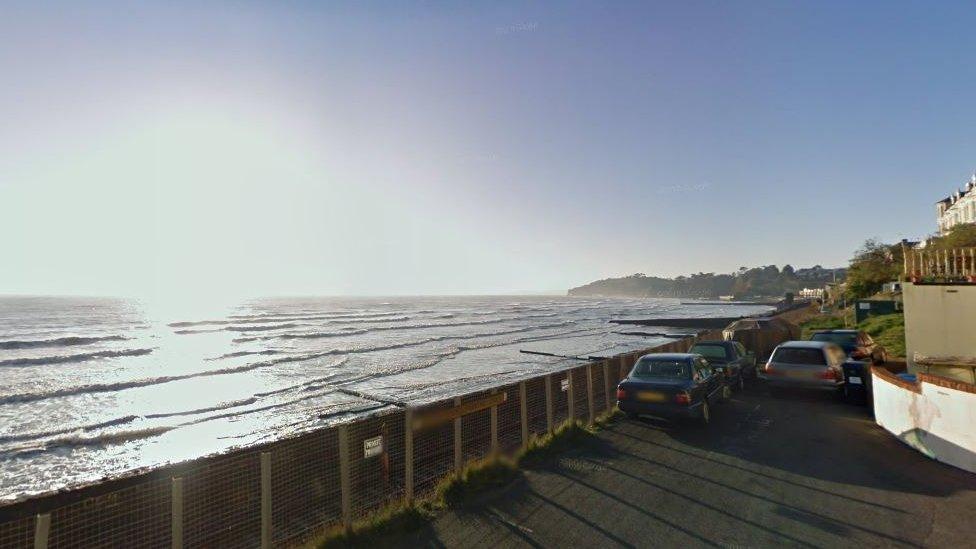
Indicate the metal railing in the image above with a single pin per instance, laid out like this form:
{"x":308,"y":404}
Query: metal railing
{"x":957,"y":264}
{"x":280,"y":493}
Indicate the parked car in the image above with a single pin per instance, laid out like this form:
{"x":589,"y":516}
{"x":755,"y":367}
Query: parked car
{"x":856,"y":343}
{"x":730,"y":358}
{"x":807,"y":365}
{"x":671,"y":385}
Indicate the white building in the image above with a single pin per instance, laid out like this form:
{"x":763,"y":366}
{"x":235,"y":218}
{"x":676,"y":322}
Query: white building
{"x":960,"y":207}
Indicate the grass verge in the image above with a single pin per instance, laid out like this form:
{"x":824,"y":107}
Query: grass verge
{"x":460,"y":489}
{"x":888,"y":330}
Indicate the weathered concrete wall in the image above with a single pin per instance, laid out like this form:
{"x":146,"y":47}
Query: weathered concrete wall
{"x":936,"y":416}
{"x":940,"y":321}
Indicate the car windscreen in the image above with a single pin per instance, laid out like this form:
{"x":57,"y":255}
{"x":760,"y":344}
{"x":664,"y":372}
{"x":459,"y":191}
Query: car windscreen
{"x":710,"y":351}
{"x":799,"y":355}
{"x":662,"y":369}
{"x":844,"y":340}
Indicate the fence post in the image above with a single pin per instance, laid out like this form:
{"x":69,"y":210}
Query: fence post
{"x":408,"y":455}
{"x":524,"y":414}
{"x":177,"y":512}
{"x":265,"y":500}
{"x":42,"y":528}
{"x":623,"y":367}
{"x":549,"y":403}
{"x":606,"y":384}
{"x":344,"y":484}
{"x":493,"y":426}
{"x":570,"y":395}
{"x":591,"y":412}
{"x":458,"y":457}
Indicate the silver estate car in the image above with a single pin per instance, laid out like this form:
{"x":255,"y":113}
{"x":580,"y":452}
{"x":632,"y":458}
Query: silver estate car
{"x":806,"y":364}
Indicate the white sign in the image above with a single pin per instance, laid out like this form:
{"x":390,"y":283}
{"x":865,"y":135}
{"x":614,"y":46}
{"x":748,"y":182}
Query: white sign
{"x":564,"y":385}
{"x":372,"y":446}
{"x":864,"y":305}
{"x":855,"y":380}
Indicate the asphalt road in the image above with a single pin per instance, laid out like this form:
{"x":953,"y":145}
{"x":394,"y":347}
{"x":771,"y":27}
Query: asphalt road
{"x":797,"y":469}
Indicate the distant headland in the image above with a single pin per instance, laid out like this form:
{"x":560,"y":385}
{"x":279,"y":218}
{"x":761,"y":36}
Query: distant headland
{"x":746,"y":283}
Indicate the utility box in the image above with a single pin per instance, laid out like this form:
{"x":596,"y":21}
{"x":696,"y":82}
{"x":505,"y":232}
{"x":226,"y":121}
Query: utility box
{"x":868,"y":307}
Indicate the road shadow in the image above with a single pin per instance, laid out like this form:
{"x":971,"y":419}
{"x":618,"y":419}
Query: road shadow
{"x":811,"y":435}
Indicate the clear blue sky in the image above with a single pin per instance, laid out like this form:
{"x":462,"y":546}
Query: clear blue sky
{"x":428,"y":147}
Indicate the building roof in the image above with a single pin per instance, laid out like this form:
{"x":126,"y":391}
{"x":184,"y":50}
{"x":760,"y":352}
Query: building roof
{"x":952,"y":198}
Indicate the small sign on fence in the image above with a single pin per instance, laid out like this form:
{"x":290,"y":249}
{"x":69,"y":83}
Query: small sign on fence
{"x":564,"y":385}
{"x":373,"y":446}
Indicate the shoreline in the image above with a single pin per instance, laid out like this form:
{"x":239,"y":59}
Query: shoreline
{"x":31,"y":505}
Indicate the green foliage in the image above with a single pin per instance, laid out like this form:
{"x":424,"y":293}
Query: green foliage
{"x":476,"y":478}
{"x":391,"y":521}
{"x":874,"y":264}
{"x":960,"y":236}
{"x":821,"y":323}
{"x":888,"y":330}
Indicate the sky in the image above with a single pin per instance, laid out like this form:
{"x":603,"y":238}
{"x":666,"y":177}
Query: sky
{"x":200,"y":149}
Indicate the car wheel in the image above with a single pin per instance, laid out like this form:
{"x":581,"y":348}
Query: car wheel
{"x":706,"y":414}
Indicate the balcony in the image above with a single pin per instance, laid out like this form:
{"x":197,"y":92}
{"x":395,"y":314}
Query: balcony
{"x":955,"y":266}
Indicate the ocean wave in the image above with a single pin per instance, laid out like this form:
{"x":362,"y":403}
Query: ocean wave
{"x":57,"y":342}
{"x":87,"y":439}
{"x":81,"y":357}
{"x":82,"y":428}
{"x":264,"y":319}
{"x":122,"y":385}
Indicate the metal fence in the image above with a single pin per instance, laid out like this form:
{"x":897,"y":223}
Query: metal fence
{"x":280,"y":493}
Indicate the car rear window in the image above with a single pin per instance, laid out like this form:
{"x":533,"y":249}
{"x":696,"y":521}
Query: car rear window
{"x":840,"y":339}
{"x":662,"y":369}
{"x":710,"y":351}
{"x":799,"y":355}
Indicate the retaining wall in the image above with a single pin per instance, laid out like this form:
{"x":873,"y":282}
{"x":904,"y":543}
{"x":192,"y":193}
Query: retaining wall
{"x":935,"y":415}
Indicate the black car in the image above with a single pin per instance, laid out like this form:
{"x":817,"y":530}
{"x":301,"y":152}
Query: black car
{"x":730,"y":358}
{"x":857,"y":344}
{"x":672,"y":385}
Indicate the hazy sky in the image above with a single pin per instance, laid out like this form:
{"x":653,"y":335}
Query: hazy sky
{"x":240,"y":148}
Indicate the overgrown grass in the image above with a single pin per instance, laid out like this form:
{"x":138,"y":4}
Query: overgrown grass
{"x":475,"y":479}
{"x":392,"y":520}
{"x":461,"y":488}
{"x":888,"y":330}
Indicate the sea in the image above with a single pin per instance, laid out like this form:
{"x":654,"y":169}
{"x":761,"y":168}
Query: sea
{"x":94,"y":388}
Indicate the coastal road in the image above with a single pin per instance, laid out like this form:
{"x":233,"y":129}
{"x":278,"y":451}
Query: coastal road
{"x":802,"y":470}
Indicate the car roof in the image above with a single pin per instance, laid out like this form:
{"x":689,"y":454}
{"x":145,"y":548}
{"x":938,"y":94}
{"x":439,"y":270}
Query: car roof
{"x":670,"y":356}
{"x":806,"y":344}
{"x":852,"y":332}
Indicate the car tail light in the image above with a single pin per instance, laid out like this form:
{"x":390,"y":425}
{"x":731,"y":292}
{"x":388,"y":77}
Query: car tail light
{"x":830,"y":373}
{"x":682,"y":398}
{"x":621,"y":393}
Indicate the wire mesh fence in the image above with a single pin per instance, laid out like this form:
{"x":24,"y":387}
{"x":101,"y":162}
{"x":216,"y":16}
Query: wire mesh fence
{"x":280,"y":493}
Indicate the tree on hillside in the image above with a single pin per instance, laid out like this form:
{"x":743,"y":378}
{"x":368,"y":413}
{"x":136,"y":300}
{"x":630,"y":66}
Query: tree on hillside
{"x":960,"y":236}
{"x":874,"y":264}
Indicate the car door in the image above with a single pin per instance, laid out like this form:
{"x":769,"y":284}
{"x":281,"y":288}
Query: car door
{"x":710,"y":381}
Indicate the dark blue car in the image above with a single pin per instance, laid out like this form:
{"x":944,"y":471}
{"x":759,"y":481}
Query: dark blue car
{"x":671,"y":385}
